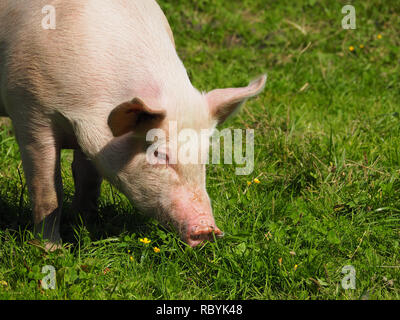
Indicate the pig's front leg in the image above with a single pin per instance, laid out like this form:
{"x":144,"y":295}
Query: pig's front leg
{"x":87,"y":186}
{"x":41,"y":162}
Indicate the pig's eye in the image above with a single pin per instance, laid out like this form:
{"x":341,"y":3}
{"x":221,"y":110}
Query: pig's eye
{"x":162,"y":157}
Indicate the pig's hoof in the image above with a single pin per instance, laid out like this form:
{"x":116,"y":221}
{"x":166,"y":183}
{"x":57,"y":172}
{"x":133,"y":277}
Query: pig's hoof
{"x":203,"y":233}
{"x":51,"y":246}
{"x":46,"y":246}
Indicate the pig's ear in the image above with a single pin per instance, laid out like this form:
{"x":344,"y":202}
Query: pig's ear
{"x":223,"y":103}
{"x":134,"y":116}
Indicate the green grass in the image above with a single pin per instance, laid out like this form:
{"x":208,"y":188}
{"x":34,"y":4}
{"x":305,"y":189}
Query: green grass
{"x":327,"y":131}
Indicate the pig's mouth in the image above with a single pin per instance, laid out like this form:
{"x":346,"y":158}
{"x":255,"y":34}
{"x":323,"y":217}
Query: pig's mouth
{"x":200,"y":231}
{"x":194,"y":231}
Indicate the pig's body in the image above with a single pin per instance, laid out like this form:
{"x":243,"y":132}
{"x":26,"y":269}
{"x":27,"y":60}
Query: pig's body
{"x":101,"y":53}
{"x":60,"y":86}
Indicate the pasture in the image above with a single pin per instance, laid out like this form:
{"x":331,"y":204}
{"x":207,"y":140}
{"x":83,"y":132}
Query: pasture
{"x":327,"y":160}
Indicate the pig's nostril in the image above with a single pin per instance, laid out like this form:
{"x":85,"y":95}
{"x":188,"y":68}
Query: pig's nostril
{"x":205,"y":232}
{"x":200,"y":231}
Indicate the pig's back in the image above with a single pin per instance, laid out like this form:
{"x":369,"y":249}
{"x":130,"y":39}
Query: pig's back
{"x":101,"y":51}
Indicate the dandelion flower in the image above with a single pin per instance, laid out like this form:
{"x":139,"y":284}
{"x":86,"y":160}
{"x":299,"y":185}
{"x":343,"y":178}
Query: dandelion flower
{"x":249,"y":183}
{"x":131,"y":258}
{"x":145,"y":240}
{"x":351,"y":48}
{"x":295,"y":267}
{"x":280,"y":261}
{"x":379,"y":36}
{"x":156,"y":250}
{"x":256,"y":180}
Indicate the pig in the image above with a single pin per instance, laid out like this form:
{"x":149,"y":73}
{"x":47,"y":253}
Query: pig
{"x":104,"y":76}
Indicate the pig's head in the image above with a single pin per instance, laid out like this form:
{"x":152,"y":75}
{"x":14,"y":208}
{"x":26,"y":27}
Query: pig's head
{"x":160,"y":170}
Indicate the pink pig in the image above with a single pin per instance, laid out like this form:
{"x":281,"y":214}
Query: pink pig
{"x":97,"y":83}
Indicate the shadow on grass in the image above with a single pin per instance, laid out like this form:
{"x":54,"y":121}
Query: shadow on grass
{"x":14,"y":216}
{"x":108,"y":222}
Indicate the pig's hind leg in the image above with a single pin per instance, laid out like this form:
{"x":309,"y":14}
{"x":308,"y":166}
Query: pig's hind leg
{"x":87,"y":182}
{"x":40,"y":154}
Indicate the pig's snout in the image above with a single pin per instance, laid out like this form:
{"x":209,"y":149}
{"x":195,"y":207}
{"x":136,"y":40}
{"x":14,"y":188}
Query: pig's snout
{"x":192,"y":214}
{"x":200,"y":230}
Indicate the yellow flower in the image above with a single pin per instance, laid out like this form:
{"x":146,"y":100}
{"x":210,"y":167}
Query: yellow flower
{"x":131,"y":258}
{"x":145,"y":240}
{"x":361,"y":46}
{"x":156,"y":250}
{"x":295,"y":267}
{"x":3,"y":283}
{"x":249,"y":183}
{"x":256,"y":180}
{"x":351,"y":48}
{"x":280,"y":261}
{"x":379,"y":36}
